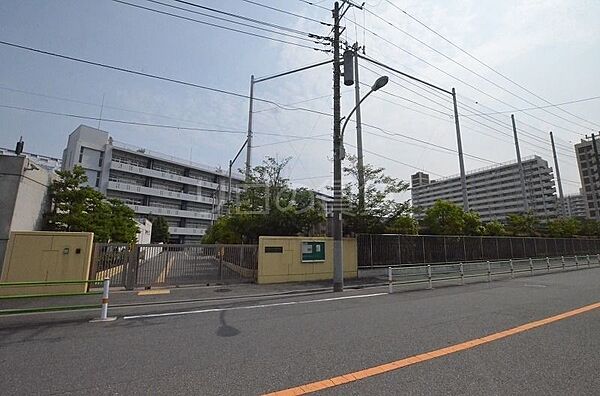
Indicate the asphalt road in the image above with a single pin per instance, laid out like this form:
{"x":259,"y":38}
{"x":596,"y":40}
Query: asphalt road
{"x":246,"y":350}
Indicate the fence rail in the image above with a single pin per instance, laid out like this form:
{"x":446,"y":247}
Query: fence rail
{"x":382,"y":250}
{"x":460,"y":272}
{"x":174,"y":264}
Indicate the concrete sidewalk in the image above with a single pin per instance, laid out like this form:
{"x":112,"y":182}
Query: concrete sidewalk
{"x":192,"y":293}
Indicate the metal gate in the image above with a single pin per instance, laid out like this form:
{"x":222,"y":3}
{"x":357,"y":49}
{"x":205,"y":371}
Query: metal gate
{"x":173,"y":264}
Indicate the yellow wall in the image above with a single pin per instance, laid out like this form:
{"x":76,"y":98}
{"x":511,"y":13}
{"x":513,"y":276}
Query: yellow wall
{"x":288,"y":266}
{"x":47,"y":256}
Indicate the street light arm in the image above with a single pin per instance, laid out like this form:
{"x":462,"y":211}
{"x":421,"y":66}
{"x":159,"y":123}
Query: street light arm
{"x":352,"y":112}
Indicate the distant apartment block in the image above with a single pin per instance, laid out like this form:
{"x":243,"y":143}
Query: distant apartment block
{"x":588,"y":173}
{"x":575,"y":206}
{"x":188,"y":195}
{"x":493,"y":192}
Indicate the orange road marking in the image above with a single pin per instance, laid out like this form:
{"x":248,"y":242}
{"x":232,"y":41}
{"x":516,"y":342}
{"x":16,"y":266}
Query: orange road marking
{"x":384,"y":368}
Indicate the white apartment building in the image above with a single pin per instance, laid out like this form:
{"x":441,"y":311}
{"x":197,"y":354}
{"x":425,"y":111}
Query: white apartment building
{"x":188,"y":195}
{"x":588,"y":173}
{"x":493,"y":192}
{"x":49,"y":163}
{"x":575,"y":206}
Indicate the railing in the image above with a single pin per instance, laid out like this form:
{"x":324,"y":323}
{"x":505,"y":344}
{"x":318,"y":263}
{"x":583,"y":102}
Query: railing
{"x":103,"y":303}
{"x":487,"y":270}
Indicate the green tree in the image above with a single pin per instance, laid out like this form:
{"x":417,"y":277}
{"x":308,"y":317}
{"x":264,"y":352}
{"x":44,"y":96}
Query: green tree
{"x":472,"y":224}
{"x":80,"y":208}
{"x":406,"y":225}
{"x":564,"y":227}
{"x":380,"y":209}
{"x":589,"y":227}
{"x":522,"y":224}
{"x":444,"y":218}
{"x":268,"y":206}
{"x":494,"y":228}
{"x":160,"y":230}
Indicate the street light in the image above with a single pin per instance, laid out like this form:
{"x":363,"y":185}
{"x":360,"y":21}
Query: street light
{"x":379,"y":83}
{"x":338,"y":263}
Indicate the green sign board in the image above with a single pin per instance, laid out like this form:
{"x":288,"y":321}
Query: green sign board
{"x":313,"y":251}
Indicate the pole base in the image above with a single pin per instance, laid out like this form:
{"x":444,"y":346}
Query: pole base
{"x":109,"y":319}
{"x":338,"y":287}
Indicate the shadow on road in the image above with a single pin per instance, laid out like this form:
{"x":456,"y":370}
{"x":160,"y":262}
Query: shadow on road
{"x":224,"y":329}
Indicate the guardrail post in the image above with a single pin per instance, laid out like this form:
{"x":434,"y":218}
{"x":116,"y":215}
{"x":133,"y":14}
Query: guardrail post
{"x":104,"y":308}
{"x":390,"y":280}
{"x":531,"y":265}
{"x":462,"y":274}
{"x":562,"y":261}
{"x":489,"y":269}
{"x":429,"y":276}
{"x":512,"y":269}
{"x":587,"y":258}
{"x":548,"y":264}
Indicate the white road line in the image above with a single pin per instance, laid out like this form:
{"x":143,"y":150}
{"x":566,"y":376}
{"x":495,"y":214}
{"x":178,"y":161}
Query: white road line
{"x":199,"y":311}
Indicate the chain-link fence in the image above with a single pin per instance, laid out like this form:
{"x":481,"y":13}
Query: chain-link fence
{"x":376,"y":250}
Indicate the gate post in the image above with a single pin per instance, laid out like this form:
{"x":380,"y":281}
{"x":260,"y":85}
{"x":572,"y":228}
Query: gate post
{"x":220,"y":251}
{"x":132,"y":267}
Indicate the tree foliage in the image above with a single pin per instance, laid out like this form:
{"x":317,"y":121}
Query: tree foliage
{"x":160,"y":230}
{"x":80,"y":208}
{"x":494,"y":228}
{"x":268,"y":206}
{"x":381,"y":211}
{"x":444,"y":218}
{"x":522,"y":224}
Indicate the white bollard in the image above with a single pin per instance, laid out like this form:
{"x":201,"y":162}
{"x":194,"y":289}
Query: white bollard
{"x":489,"y":269}
{"x":104,"y":309}
{"x":531,"y":265}
{"x":562,"y":261}
{"x":512,"y":269}
{"x":429,"y":276}
{"x":548,"y":264}
{"x":390,"y":280}
{"x":462,"y":274}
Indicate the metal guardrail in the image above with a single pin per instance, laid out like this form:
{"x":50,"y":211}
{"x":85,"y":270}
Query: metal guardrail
{"x":428,"y":274}
{"x":103,"y":303}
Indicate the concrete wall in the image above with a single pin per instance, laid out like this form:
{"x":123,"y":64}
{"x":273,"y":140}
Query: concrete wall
{"x":287,"y":266}
{"x":47,"y":256}
{"x":23,"y":197}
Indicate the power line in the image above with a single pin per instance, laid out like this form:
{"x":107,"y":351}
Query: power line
{"x":153,"y":76}
{"x":540,"y":107}
{"x":286,"y":12}
{"x":456,"y":78}
{"x":465,"y":67}
{"x":256,"y":21}
{"x":144,"y":124}
{"x":225,"y":27}
{"x":480,"y":61}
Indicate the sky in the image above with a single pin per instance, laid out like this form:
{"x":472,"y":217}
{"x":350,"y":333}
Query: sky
{"x":549,"y":48}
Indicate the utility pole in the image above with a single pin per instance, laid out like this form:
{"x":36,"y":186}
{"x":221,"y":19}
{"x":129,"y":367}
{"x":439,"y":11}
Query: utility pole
{"x":249,"y":137}
{"x":461,"y":160}
{"x":521,"y":172}
{"x":558,"y":181}
{"x":338,"y":264}
{"x":359,"y":144}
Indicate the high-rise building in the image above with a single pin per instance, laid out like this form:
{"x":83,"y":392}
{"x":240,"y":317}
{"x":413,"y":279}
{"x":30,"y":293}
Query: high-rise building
{"x":188,"y":195}
{"x":588,"y":173}
{"x":575,"y":206}
{"x":493,"y":192}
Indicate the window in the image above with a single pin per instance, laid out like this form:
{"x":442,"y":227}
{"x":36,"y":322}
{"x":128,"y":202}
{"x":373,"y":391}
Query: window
{"x":100,"y":159}
{"x":81,"y":154}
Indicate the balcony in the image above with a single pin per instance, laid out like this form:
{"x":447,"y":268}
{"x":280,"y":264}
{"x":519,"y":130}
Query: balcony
{"x":155,"y":210}
{"x":187,"y":231}
{"x":156,"y":192}
{"x":139,"y":170}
